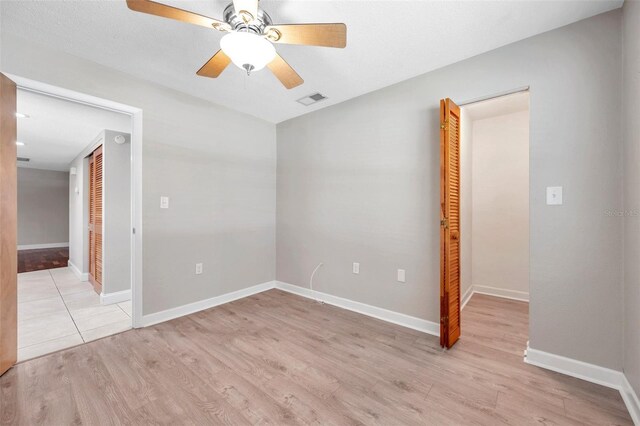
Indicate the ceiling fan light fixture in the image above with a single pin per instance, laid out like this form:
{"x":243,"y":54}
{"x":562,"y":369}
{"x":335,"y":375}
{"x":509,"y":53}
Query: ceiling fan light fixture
{"x":248,"y":51}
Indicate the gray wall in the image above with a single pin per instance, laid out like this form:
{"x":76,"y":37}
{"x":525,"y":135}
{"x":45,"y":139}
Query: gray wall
{"x":217,"y":165}
{"x":117,"y":213}
{"x":631,"y":107}
{"x":43,"y":206}
{"x":359,"y":181}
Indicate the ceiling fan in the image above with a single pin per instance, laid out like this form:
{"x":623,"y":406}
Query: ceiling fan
{"x":250,"y":37}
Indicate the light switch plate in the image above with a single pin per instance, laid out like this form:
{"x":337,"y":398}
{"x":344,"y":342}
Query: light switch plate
{"x":356,"y":268}
{"x":401,"y":275}
{"x":164,"y":202}
{"x":198,"y":268}
{"x":554,"y":195}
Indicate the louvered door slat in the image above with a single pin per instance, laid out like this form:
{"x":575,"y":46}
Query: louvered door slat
{"x":450,"y":223}
{"x":95,"y":219}
{"x":98,"y":215}
{"x":92,"y":239}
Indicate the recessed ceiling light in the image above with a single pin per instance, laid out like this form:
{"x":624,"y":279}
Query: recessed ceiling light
{"x":21,"y":115}
{"x":20,"y":143}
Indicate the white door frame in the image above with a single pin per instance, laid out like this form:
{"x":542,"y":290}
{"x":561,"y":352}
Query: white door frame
{"x":136,"y":173}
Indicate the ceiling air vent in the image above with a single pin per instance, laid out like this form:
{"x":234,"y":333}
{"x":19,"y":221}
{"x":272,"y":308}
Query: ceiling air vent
{"x":23,"y":159}
{"x":312,"y":99}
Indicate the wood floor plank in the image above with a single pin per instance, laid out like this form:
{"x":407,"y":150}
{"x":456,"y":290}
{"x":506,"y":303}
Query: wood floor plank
{"x":42,"y":259}
{"x":275,"y":358}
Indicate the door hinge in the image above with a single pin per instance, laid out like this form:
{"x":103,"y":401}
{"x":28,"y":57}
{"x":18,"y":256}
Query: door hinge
{"x":444,"y":124}
{"x":134,"y":230}
{"x":444,"y":223}
{"x":444,"y":320}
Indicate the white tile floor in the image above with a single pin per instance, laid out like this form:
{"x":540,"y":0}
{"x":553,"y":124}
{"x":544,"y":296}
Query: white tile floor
{"x":56,"y":310}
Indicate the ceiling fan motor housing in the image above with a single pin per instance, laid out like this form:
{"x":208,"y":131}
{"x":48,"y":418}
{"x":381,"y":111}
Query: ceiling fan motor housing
{"x":241,"y":20}
{"x":250,"y":37}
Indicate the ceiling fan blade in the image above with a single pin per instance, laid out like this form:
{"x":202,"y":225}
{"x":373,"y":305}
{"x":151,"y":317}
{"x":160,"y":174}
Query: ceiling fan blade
{"x":327,"y":35}
{"x":283,"y":71}
{"x":214,"y":66}
{"x":247,"y":9}
{"x":165,"y":11}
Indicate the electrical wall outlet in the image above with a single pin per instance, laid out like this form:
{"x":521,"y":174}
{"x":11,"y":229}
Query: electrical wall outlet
{"x":198,"y":268}
{"x":401,"y":276}
{"x":164,"y":202}
{"x":554,"y":195}
{"x":356,"y":268}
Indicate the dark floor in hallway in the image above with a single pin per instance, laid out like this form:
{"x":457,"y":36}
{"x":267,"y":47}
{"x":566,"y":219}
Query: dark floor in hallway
{"x":40,"y":259}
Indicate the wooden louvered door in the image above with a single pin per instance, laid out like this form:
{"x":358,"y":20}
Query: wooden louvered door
{"x":95,"y":219}
{"x":8,"y":227}
{"x":449,"y":223}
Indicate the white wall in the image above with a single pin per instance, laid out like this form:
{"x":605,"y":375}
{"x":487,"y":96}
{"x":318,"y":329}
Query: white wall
{"x":500,"y":205}
{"x":631,"y":210}
{"x":78,"y":213}
{"x":466,"y":200}
{"x":218,"y":167}
{"x":43,"y":207}
{"x":359,"y":181}
{"x":117,"y":213}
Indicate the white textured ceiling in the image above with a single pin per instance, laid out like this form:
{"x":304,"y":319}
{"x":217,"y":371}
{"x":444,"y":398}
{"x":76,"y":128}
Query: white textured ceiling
{"x":58,"y":130}
{"x":387,"y":42}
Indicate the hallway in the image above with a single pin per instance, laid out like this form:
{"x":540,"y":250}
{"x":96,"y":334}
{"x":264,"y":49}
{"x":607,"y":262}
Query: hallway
{"x":56,"y":310}
{"x":41,"y":259}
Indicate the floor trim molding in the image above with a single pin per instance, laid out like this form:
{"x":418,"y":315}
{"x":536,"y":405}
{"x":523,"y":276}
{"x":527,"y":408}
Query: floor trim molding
{"x":590,"y":372}
{"x":631,"y":400}
{"x":466,"y":297}
{"x":42,"y":246}
{"x":521,"y":296}
{"x":116,"y":297}
{"x":82,"y":276}
{"x":201,"y":305}
{"x":362,"y":308}
{"x":574,"y":368}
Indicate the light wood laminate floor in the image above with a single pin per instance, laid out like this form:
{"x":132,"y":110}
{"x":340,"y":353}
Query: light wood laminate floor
{"x":276,"y":358}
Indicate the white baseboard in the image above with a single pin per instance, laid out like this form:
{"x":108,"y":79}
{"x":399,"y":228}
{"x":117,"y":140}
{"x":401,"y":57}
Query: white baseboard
{"x":522,"y":296}
{"x":493,"y":291}
{"x":466,"y":297}
{"x":631,"y":400}
{"x":82,"y":276}
{"x":42,"y":246}
{"x":201,"y":305}
{"x":574,"y":368}
{"x":589,"y":372}
{"x":372,"y":311}
{"x":116,"y":297}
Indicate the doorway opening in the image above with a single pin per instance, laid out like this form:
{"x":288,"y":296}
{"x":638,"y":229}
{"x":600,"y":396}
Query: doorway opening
{"x":78,"y":177}
{"x":491,"y":193}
